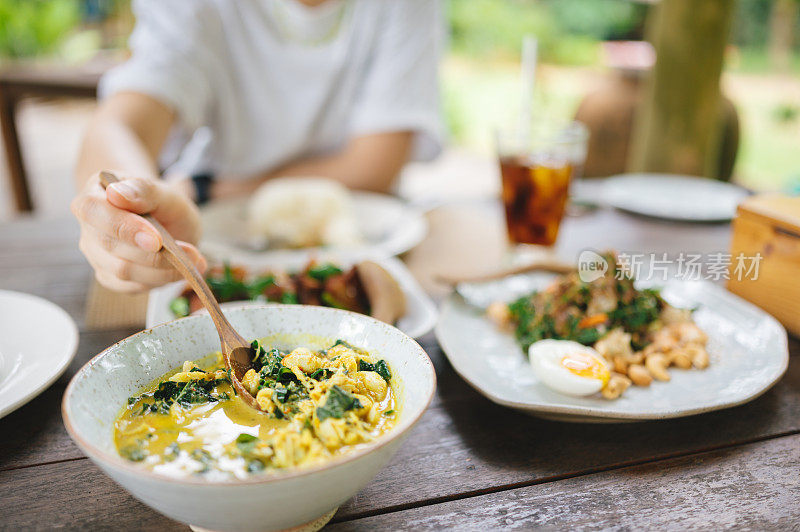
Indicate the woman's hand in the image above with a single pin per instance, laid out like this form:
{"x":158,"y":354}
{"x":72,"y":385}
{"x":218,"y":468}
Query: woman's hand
{"x":121,"y":246}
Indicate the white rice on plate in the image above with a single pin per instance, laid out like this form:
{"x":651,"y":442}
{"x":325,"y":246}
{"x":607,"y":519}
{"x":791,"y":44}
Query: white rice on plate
{"x":299,"y":212}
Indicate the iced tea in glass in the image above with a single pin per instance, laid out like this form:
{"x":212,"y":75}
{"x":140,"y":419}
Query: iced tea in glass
{"x":536,"y":170}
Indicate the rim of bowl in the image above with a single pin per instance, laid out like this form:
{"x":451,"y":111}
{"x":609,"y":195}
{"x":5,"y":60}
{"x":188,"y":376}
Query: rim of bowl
{"x":118,"y":461}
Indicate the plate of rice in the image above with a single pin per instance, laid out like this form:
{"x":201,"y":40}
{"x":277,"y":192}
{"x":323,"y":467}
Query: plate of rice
{"x":289,"y":220}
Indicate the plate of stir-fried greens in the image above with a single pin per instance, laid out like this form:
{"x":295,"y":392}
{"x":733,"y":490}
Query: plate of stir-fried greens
{"x":678,"y":349}
{"x":383,"y":289}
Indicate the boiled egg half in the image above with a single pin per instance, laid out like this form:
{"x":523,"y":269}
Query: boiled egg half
{"x":568,"y":367}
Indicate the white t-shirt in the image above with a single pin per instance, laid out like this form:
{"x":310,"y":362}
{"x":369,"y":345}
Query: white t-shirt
{"x":259,"y":83}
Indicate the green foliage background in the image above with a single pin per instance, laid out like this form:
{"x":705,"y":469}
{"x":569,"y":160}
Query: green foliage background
{"x":481,"y":73}
{"x":568,"y":30}
{"x":35,"y":27}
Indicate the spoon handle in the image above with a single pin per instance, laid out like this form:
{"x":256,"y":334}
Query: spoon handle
{"x":177,"y":257}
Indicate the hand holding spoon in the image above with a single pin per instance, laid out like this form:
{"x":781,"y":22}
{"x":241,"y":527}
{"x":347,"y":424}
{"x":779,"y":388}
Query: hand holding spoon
{"x":236,"y":350}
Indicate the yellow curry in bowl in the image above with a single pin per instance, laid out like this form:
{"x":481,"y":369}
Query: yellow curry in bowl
{"x":317,"y":404}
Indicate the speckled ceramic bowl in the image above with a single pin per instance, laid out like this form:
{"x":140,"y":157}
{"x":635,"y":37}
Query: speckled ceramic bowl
{"x":264,"y":502}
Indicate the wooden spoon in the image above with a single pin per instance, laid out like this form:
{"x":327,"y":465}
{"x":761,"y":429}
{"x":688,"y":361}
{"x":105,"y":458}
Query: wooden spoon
{"x":236,"y":351}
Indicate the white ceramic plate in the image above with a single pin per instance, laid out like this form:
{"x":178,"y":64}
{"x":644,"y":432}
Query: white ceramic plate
{"x":674,"y":197}
{"x":37,"y":342}
{"x":748,"y":350}
{"x":418,"y":321}
{"x":388,"y":224}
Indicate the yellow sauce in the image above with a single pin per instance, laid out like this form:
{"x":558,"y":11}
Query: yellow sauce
{"x":224,"y":438}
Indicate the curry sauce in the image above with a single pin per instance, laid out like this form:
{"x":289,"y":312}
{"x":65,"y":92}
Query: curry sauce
{"x":315,"y":405}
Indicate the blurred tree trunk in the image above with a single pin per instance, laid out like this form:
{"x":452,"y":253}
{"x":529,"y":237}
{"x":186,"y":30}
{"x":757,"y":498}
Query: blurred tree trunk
{"x":678,"y":126}
{"x":782,"y":19}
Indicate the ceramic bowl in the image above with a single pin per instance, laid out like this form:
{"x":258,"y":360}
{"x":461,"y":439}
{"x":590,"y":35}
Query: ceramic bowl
{"x":274,"y":501}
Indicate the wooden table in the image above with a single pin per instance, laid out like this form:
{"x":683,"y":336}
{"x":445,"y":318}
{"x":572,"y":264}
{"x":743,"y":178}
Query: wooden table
{"x":469,"y":464}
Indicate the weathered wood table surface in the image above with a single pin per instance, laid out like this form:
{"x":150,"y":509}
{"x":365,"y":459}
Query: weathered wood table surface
{"x":469,"y":464}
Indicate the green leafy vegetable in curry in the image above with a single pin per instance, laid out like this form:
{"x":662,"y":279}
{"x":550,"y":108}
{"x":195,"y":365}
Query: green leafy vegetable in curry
{"x":316,"y":405}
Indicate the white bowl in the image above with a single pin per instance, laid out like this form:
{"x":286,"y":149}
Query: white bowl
{"x":275,"y":501}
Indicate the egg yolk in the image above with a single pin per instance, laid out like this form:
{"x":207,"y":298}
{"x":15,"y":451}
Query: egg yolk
{"x":584,"y":365}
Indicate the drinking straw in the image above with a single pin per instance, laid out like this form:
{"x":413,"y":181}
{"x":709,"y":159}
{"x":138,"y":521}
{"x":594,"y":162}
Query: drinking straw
{"x":527,"y":77}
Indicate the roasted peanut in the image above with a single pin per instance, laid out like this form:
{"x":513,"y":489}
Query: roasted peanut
{"x":620,"y":364}
{"x":657,"y":364}
{"x":615,"y":386}
{"x":680,"y":358}
{"x":699,"y":356}
{"x":690,"y":333}
{"x":663,"y":340}
{"x":499,"y":314}
{"x":639,"y":375}
{"x":671,"y":315}
{"x":614,"y":344}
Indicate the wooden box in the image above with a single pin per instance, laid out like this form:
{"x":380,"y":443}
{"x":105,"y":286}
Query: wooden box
{"x":769,"y":225}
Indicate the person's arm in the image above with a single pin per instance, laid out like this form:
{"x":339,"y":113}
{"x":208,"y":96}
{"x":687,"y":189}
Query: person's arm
{"x":125,"y":136}
{"x":369,"y":162}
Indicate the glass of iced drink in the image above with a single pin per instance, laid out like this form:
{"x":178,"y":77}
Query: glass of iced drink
{"x":536,"y":169}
